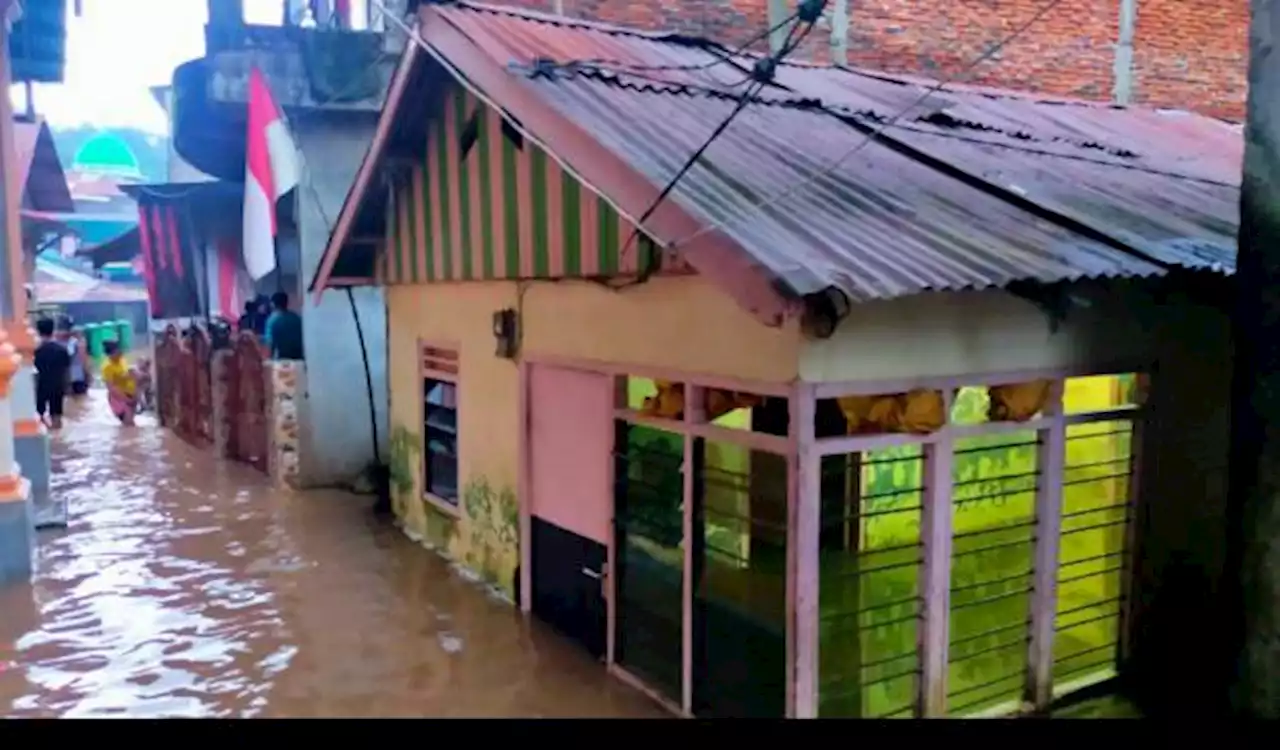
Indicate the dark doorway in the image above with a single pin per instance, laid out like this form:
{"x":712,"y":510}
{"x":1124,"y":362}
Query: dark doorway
{"x":567,"y":575}
{"x":649,"y":557}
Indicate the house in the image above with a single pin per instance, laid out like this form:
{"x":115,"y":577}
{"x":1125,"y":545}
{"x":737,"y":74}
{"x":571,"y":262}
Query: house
{"x":330,"y":84}
{"x":859,"y":423}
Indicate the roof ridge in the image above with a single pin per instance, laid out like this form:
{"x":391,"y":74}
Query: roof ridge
{"x":903,"y":79}
{"x":665,"y":36}
{"x":1120,"y":157}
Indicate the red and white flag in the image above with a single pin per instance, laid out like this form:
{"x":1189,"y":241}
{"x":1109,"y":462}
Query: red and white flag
{"x":271,"y":170}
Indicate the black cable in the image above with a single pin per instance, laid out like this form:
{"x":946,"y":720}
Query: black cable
{"x":762,"y":73}
{"x":381,"y":478}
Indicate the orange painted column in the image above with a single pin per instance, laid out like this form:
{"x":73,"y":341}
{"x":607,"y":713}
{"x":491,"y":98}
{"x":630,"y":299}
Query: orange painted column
{"x":22,"y":401}
{"x":23,"y":398}
{"x":10,"y":364}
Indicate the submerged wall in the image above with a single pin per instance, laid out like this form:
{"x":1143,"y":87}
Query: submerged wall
{"x":677,"y":323}
{"x":333,"y":414}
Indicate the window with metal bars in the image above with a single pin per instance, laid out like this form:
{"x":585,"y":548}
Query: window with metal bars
{"x":740,"y":582}
{"x":439,"y":368}
{"x":993,"y":501}
{"x":869,"y":584}
{"x":1084,"y":445}
{"x":1093,"y":553}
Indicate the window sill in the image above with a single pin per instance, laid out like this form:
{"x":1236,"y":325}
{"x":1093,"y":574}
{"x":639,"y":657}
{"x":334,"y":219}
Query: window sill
{"x":442,"y":505}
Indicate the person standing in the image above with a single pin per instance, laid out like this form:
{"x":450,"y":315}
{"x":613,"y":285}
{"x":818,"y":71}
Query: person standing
{"x":249,"y":320}
{"x":53,"y":364}
{"x":70,"y":337}
{"x":122,"y":384}
{"x":283,"y":337}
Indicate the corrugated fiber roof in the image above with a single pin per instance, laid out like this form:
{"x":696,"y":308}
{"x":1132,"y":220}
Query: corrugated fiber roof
{"x":978,"y":189}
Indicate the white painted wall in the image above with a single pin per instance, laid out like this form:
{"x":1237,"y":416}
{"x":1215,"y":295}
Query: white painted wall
{"x":334,"y":416}
{"x":961,"y":333}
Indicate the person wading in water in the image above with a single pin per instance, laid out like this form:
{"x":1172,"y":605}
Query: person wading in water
{"x":53,"y":364}
{"x":71,"y":338}
{"x":122,"y":384}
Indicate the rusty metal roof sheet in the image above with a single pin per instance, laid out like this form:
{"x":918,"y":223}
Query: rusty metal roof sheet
{"x":955,"y":202}
{"x":882,"y":226}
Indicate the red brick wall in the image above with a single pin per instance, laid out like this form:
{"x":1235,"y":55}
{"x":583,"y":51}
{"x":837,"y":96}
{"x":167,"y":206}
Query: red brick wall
{"x":1192,"y":54}
{"x":1188,"y":54}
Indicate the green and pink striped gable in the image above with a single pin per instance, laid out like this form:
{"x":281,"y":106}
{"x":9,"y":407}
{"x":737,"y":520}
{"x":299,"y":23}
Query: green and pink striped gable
{"x":502,"y":210}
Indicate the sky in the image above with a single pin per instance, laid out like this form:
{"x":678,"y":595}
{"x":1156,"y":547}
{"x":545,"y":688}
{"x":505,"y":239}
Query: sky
{"x":117,"y":50}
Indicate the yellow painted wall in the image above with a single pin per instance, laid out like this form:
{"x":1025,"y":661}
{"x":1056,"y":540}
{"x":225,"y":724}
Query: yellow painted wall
{"x":678,"y":323}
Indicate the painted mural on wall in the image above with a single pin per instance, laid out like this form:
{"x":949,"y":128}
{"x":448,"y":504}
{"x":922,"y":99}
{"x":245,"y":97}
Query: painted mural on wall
{"x":484,"y":536}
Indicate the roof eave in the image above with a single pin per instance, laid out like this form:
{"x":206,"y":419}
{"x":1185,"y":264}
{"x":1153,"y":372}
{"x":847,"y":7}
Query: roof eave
{"x":711,"y":254}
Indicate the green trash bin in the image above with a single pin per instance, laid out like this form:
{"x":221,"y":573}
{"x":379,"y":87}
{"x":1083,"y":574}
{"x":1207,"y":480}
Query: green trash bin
{"x":124,"y":334}
{"x":93,"y":340}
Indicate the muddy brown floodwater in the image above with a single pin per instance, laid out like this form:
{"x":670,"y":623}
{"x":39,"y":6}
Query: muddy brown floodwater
{"x":188,"y":587}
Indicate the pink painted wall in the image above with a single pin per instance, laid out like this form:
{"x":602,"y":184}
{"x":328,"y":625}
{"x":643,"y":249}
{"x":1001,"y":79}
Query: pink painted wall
{"x":571,"y":431}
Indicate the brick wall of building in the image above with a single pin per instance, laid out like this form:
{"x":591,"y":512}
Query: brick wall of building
{"x":1187,"y":54}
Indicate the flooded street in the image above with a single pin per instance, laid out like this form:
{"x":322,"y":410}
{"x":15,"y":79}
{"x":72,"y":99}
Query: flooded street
{"x":187,"y":587}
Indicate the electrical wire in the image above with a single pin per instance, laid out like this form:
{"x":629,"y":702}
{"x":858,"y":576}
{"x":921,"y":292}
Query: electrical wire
{"x":763,"y":73}
{"x":877,"y":132}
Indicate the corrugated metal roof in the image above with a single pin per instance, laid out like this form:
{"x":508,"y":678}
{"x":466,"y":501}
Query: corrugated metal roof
{"x":886,"y":224}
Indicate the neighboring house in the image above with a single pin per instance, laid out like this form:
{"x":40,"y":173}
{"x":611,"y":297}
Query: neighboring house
{"x":852,"y":427}
{"x":46,"y":202}
{"x":88,"y":299}
{"x":179,"y":170}
{"x":1183,"y":54}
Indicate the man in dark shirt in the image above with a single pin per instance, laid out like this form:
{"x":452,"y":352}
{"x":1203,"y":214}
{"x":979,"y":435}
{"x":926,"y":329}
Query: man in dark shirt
{"x":53,"y":365}
{"x":284,"y":330}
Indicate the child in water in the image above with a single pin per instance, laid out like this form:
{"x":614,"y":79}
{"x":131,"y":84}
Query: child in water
{"x":122,"y":384}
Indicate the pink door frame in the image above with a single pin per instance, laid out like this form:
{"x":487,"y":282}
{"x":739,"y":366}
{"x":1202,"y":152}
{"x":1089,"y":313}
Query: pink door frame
{"x":693,"y":425}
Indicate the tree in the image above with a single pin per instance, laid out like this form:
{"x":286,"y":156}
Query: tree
{"x":1252,"y":576}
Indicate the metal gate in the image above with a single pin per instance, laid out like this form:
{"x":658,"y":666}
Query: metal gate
{"x":197,"y":385}
{"x":246,"y":412}
{"x":184,"y":385}
{"x":168,"y":378}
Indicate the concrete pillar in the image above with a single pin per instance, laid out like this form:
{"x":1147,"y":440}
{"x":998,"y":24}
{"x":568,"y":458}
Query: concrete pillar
{"x":838,"y":15}
{"x":1122,"y":94}
{"x":17,"y":517}
{"x":31,"y":440}
{"x":777,"y":11}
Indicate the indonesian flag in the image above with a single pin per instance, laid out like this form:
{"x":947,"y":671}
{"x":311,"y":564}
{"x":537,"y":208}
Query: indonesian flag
{"x":271,"y":170}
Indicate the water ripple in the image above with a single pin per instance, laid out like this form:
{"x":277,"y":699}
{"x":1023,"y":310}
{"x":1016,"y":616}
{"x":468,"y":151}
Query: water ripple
{"x":185,"y":587}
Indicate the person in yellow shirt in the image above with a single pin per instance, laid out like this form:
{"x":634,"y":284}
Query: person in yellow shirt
{"x":122,"y":384}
